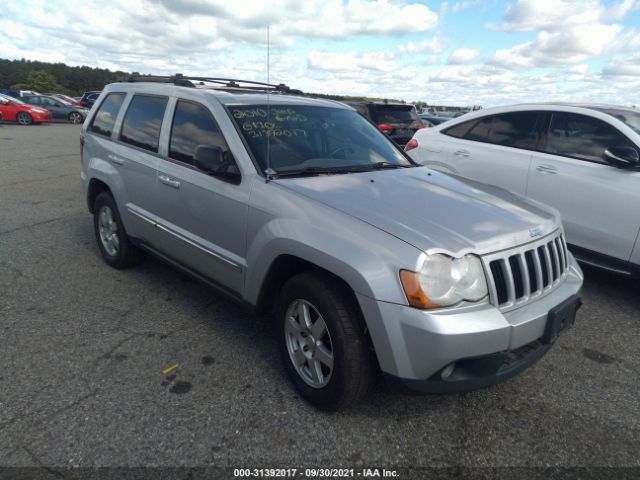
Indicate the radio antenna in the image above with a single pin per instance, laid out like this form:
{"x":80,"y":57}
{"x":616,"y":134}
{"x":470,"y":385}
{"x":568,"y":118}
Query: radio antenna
{"x":269,"y":173}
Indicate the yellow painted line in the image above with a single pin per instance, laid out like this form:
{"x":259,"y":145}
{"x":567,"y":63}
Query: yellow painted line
{"x":169,"y":369}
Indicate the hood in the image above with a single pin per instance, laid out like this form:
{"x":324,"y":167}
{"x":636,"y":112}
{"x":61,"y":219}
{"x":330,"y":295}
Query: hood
{"x":432,"y":211}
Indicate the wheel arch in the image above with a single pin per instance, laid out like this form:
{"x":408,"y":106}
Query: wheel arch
{"x":284,"y":267}
{"x":96,"y":187}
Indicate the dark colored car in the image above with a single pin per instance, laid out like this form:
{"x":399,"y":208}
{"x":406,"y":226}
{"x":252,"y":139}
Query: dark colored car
{"x":398,"y":120}
{"x":434,"y":119}
{"x":89,"y":98}
{"x":60,"y":109}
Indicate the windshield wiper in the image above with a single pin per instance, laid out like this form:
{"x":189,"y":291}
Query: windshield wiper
{"x":337,"y":170}
{"x":377,"y":166}
{"x":310,"y":171}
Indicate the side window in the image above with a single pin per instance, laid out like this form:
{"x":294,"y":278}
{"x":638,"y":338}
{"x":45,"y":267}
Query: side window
{"x":480,"y":131}
{"x":142,"y":122}
{"x":582,"y":136}
{"x":460,"y":130}
{"x":32,"y":100}
{"x":193,"y":125}
{"x":106,"y":115}
{"x":513,"y":129}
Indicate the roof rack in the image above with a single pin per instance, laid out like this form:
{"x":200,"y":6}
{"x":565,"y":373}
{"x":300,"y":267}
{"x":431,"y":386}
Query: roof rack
{"x":224,"y":83}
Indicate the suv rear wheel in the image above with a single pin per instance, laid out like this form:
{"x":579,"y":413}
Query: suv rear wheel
{"x":115,"y":246}
{"x":322,"y":341}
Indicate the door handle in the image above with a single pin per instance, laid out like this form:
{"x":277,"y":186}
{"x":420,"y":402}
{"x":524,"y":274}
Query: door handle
{"x":169,"y":181}
{"x":115,"y":159}
{"x":547,"y":169}
{"x":462,"y":153}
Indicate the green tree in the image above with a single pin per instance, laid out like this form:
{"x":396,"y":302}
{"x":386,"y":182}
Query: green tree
{"x":40,"y":81}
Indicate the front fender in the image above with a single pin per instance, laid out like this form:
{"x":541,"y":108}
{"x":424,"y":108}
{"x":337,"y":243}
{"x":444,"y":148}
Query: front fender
{"x":368,"y":263}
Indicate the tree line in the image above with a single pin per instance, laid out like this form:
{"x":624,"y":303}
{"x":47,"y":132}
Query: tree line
{"x":54,"y":77}
{"x":74,"y":81}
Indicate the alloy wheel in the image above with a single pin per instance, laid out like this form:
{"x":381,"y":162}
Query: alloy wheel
{"x":309,"y":343}
{"x":108,"y":231}
{"x":75,"y":117}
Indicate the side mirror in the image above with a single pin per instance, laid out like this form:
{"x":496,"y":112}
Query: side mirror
{"x":208,"y":158}
{"x":213,"y":161}
{"x":622,"y":157}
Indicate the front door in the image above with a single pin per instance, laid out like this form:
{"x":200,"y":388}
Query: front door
{"x":598,"y":202}
{"x":202,"y":219}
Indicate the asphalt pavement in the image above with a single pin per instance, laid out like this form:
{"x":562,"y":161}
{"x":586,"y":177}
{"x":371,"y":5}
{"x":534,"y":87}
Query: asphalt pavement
{"x":83,"y":347}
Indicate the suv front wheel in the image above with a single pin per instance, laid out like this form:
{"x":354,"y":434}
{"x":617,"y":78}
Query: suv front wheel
{"x":113,"y":241}
{"x":322,"y":341}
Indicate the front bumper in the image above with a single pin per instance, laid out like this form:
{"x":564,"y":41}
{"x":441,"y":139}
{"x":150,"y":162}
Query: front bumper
{"x":488,"y":346}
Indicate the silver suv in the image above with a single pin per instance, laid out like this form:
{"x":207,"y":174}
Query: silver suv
{"x":301,"y":206}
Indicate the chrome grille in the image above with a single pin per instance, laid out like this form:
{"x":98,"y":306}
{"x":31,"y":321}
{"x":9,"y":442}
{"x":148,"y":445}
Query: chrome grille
{"x":519,"y":275}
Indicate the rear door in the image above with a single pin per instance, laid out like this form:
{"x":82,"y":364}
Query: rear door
{"x":202,"y":218}
{"x":598,"y":202}
{"x":8,"y":109}
{"x":494,"y":149}
{"x":131,"y":158}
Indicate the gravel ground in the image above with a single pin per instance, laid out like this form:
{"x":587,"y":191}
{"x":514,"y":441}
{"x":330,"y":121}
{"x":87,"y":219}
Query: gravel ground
{"x":82,"y":347}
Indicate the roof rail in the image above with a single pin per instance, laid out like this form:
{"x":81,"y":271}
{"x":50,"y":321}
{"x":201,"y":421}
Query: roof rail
{"x":224,"y":83}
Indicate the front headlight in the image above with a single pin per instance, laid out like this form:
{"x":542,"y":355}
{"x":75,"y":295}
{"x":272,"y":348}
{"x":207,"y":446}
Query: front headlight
{"x":445,"y":281}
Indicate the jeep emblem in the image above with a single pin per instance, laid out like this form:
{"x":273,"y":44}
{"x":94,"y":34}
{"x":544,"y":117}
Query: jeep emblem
{"x":535,"y":232}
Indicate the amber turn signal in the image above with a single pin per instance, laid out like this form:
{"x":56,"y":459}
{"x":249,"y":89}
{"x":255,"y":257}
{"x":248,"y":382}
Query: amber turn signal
{"x":413,"y":290}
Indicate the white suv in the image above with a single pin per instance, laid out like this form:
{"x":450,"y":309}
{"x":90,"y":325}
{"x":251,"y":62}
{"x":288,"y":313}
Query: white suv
{"x":581,"y":159}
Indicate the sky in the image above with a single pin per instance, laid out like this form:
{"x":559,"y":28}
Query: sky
{"x":463,"y":52}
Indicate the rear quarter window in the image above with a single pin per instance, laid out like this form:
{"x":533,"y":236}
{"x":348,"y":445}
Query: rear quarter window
{"x":105,"y":117}
{"x":459,"y":130}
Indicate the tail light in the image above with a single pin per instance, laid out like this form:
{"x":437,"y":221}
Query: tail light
{"x":385,"y":127}
{"x":421,"y":126}
{"x":413,"y":143}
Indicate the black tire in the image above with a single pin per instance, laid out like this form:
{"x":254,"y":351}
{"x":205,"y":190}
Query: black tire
{"x":23,"y":118}
{"x":354,"y":366}
{"x":127,"y":254}
{"x":76,"y":118}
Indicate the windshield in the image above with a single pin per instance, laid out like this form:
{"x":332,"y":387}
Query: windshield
{"x":632,"y":119}
{"x":313,"y":138}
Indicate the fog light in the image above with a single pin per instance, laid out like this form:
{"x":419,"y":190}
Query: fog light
{"x":448,"y":370}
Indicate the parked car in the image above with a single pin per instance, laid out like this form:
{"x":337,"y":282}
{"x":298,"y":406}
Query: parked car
{"x":88,"y":98}
{"x":66,"y":98}
{"x":433,"y":119}
{"x":59,"y":109}
{"x":15,"y":110}
{"x":583,"y":160}
{"x":302,"y":207}
{"x":398,"y":121}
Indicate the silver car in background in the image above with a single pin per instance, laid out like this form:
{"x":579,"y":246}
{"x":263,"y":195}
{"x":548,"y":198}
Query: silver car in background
{"x":302,"y":207}
{"x":583,"y":160}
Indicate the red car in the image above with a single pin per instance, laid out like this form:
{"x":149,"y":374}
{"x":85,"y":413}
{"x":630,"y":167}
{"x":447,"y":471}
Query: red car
{"x":15,"y":110}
